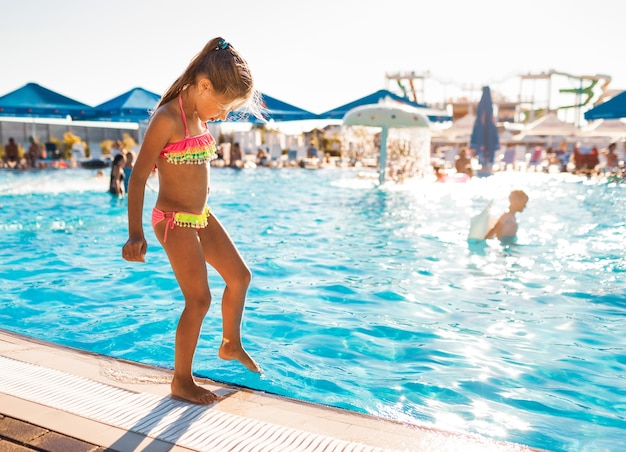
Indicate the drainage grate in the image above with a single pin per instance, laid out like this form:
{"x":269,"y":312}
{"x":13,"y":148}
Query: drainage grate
{"x":187,"y":425}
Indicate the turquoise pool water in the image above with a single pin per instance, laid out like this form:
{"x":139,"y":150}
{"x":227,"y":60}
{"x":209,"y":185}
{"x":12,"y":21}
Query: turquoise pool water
{"x":363,"y":297}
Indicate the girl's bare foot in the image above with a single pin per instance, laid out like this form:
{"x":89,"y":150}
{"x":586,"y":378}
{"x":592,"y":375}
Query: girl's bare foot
{"x":190,"y":392}
{"x":230,"y":351}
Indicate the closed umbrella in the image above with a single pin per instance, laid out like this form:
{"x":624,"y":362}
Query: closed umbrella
{"x":485,"y":140}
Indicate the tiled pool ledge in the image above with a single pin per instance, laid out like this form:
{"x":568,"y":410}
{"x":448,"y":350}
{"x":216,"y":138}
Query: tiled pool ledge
{"x":125,"y":406}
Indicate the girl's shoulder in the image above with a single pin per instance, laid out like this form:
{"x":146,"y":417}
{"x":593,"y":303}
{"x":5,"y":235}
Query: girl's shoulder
{"x":166,"y":112}
{"x":162,"y":128}
{"x":165,"y":119}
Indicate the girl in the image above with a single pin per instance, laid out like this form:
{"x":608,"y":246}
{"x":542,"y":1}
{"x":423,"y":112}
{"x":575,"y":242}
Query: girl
{"x":216,"y":82}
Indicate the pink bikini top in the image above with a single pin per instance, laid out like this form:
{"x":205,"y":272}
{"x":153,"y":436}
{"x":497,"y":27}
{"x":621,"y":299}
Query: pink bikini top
{"x":190,"y":150}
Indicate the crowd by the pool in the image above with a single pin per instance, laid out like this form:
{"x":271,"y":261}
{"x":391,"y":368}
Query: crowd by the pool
{"x":230,"y":154}
{"x":445,"y":161}
{"x":580,"y":159}
{"x":70,"y":152}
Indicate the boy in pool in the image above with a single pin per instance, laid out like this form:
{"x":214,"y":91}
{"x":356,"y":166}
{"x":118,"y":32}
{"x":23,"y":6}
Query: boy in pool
{"x":505,"y":228}
{"x":178,"y":142}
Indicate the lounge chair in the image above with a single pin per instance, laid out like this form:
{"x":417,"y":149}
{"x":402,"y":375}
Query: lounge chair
{"x":508,"y":158}
{"x":536,"y":160}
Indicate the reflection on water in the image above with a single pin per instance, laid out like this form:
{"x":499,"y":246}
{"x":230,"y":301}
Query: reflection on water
{"x":363,"y":297}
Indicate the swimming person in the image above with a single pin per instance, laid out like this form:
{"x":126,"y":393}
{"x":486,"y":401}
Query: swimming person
{"x":505,"y":228}
{"x":177,"y":140}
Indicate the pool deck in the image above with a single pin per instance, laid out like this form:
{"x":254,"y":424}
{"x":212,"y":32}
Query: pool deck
{"x":55,"y":398}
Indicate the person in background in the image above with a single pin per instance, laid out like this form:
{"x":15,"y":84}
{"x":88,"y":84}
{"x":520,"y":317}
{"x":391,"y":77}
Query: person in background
{"x":440,"y":174}
{"x":462,"y":163}
{"x":177,"y":140}
{"x":505,"y":228}
{"x":220,"y":152}
{"x":236,"y":157}
{"x":11,"y":154}
{"x":553,"y":158}
{"x":612,"y":160}
{"x":116,"y":184}
{"x":34,"y":152}
{"x":311,"y":151}
{"x":261,"y":157}
{"x":128,"y":167}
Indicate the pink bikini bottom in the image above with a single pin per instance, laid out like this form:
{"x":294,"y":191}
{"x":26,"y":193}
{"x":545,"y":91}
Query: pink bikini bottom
{"x":181,"y":219}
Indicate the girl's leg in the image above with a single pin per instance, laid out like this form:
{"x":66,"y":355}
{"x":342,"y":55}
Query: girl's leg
{"x":187,"y":259}
{"x":221,"y":253}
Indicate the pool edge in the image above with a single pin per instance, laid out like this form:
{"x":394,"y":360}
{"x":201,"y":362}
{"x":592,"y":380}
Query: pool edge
{"x":255,"y":405}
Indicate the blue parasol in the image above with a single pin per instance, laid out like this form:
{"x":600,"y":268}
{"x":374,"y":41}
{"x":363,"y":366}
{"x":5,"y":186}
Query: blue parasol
{"x":274,"y":109}
{"x":613,"y":108}
{"x":485,"y":140}
{"x":385,"y":95}
{"x":132,"y":106}
{"x":35,"y":101}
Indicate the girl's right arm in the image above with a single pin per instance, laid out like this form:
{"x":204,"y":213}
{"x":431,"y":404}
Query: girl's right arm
{"x":156,"y":137}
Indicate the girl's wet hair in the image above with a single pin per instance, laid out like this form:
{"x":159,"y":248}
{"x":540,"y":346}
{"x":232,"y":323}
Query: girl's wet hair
{"x":227,"y":71}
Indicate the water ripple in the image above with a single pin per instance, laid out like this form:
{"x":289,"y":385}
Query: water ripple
{"x":365,"y":298}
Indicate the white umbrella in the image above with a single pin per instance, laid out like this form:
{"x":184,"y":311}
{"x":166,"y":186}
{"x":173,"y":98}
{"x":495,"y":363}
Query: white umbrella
{"x":386,"y":116}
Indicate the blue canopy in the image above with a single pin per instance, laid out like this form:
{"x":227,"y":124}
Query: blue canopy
{"x":376,"y":97}
{"x":282,"y":111}
{"x":132,"y":106}
{"x":485,"y":140}
{"x":34,"y":100}
{"x":613,"y":108}
{"x":277,"y":110}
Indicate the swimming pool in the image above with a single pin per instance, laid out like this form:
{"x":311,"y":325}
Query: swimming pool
{"x":364,"y":298}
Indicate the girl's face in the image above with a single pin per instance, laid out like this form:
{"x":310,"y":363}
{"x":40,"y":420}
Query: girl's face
{"x":212,"y":106}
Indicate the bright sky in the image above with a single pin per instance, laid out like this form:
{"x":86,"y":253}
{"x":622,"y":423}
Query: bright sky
{"x":313,"y":54}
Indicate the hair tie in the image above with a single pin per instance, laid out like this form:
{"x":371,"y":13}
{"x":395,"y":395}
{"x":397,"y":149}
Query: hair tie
{"x":222,"y":45}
